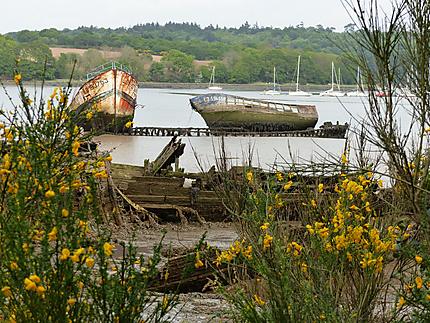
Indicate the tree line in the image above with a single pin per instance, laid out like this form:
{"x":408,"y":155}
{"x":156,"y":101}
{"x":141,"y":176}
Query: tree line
{"x":241,"y":55}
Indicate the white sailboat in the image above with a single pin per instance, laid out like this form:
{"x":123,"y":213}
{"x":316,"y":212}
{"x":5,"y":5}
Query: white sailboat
{"x":273,"y":91}
{"x":359,"y":92}
{"x":332,"y":91}
{"x":298,"y":92}
{"x":212,"y":85}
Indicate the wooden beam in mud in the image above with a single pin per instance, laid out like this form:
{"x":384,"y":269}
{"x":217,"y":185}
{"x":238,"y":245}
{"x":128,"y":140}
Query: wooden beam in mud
{"x":169,"y":155}
{"x":180,"y":274}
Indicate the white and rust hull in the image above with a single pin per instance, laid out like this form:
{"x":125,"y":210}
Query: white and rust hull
{"x":233,"y":112}
{"x":111,"y":97}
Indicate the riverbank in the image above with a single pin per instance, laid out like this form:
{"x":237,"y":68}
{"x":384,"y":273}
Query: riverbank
{"x":184,"y":86}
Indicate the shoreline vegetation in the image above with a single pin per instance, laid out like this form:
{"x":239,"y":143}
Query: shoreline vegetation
{"x":182,"y":53}
{"x":180,"y":86}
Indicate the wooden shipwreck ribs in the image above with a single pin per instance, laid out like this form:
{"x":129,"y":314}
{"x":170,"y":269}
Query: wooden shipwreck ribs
{"x":327,"y":130}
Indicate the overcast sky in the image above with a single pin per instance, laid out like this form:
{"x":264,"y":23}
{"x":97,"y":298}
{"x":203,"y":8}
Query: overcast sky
{"x":39,"y":14}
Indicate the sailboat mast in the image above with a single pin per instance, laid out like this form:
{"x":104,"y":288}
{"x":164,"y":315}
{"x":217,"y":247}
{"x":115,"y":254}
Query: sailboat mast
{"x":274,"y":78}
{"x":332,"y":76}
{"x":298,"y":74}
{"x":213,"y":72}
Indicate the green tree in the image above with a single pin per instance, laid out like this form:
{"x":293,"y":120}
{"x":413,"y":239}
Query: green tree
{"x":138,"y":62}
{"x":156,"y":72}
{"x":179,"y":66}
{"x":36,"y":61}
{"x":8,"y":53}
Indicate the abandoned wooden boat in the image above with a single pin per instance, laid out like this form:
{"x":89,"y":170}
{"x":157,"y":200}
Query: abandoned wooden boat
{"x":110,"y":94}
{"x":234,"y":112}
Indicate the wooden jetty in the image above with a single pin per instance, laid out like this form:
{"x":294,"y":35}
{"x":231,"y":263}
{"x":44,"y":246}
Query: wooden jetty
{"x":327,"y":130}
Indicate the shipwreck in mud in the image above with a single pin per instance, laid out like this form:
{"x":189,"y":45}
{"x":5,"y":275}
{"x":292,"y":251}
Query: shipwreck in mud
{"x":234,"y":112}
{"x":110,"y":93}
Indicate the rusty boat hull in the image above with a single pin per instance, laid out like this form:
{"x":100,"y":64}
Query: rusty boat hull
{"x":110,"y":93}
{"x":234,"y":112}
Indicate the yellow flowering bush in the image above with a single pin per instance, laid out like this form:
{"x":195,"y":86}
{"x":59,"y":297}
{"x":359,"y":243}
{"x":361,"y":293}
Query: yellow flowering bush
{"x":55,"y":255}
{"x":333,"y":268}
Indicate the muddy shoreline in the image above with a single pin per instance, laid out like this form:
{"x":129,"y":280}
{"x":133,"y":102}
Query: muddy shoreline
{"x":199,"y":307}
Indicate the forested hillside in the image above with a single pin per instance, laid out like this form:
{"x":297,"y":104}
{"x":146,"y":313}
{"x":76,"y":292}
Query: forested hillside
{"x":241,"y":55}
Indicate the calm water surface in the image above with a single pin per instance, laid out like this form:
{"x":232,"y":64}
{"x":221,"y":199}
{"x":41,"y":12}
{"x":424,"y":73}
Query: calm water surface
{"x":171,"y":108}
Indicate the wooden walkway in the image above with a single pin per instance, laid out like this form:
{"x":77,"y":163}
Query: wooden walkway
{"x":325,"y":131}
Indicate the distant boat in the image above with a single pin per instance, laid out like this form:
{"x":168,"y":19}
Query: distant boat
{"x":359,"y":92}
{"x":332,"y":91}
{"x":110,"y":93}
{"x":273,"y":91}
{"x":298,"y":92}
{"x":233,"y":112}
{"x":405,"y":92}
{"x":212,"y":85}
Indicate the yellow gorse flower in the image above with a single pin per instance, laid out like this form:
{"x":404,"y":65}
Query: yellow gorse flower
{"x":49,"y":194}
{"x":64,"y":213}
{"x":75,"y":147}
{"x":65,"y":254}
{"x":13,"y":265}
{"x":198,"y":263}
{"x":30,"y":285}
{"x":90,"y":262}
{"x":401,"y":302}
{"x":7,"y":292}
{"x":40,"y":290}
{"x":313,"y":203}
{"x":101,"y":174}
{"x":288,"y":185}
{"x":71,"y":301}
{"x":344,"y":159}
{"x":35,"y":278}
{"x":107,"y":247}
{"x":419,"y":282}
{"x":258,"y":300}
{"x":267,"y":241}
{"x":265,"y":226}
{"x":249,"y":176}
{"x":52,"y":236}
{"x":17,"y":78}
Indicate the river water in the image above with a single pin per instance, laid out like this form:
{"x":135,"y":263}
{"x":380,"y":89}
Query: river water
{"x":171,"y":108}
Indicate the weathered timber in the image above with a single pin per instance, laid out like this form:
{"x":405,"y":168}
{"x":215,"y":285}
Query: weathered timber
{"x":151,"y":217}
{"x":166,"y":197}
{"x":183,"y":276}
{"x":328,"y":130}
{"x":181,"y":211}
{"x":170,"y":154}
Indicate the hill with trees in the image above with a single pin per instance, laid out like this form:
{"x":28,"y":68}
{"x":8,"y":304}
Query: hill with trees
{"x":241,"y":55}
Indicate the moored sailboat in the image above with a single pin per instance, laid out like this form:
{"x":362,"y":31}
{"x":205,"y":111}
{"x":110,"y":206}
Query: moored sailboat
{"x":359,"y":92}
{"x":273,"y":91}
{"x":332,"y":91}
{"x":298,"y":92}
{"x":212,"y":85}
